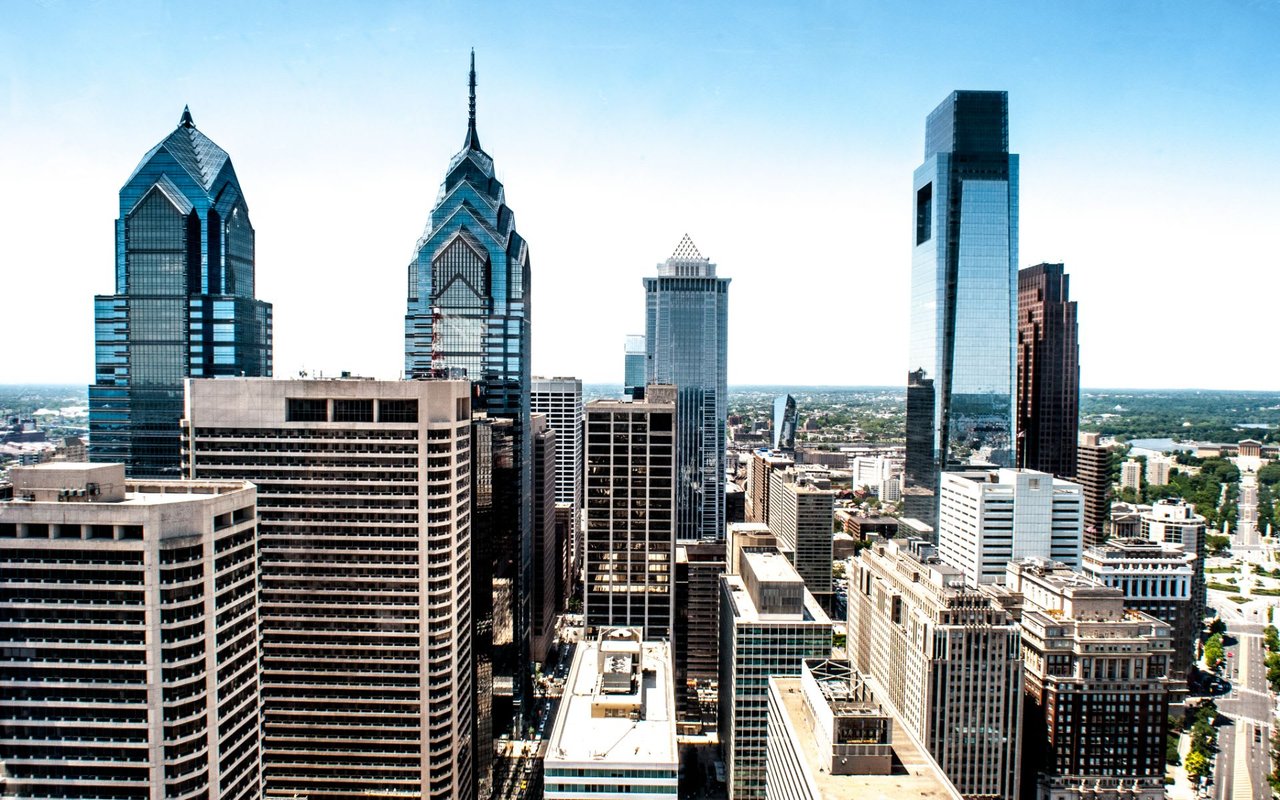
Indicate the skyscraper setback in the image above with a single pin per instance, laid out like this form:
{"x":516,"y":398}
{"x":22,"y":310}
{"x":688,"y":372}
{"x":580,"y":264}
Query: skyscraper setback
{"x":468,"y":317}
{"x":1048,"y":372}
{"x":960,"y":396}
{"x":686,"y":335}
{"x":183,"y":305}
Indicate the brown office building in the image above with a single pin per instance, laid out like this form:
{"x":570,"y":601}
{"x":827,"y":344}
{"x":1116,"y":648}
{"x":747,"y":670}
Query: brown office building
{"x":1093,"y":473}
{"x":1048,"y":372}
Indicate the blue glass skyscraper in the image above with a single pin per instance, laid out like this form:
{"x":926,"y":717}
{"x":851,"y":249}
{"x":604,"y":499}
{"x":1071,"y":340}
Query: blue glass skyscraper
{"x":960,"y":394}
{"x":784,"y":422}
{"x":468,"y":317}
{"x":633,"y":366}
{"x":184,"y":304}
{"x":686,"y":335}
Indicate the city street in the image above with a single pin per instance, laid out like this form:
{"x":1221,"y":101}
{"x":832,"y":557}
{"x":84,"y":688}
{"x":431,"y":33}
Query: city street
{"x":1243,"y":761}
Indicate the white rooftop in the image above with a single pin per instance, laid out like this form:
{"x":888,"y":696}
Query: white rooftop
{"x":581,"y":737}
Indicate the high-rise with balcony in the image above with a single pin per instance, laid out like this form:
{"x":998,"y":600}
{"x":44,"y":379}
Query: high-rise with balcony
{"x":1048,"y":371}
{"x":686,"y":336}
{"x":1093,"y":473}
{"x":468,"y":316}
{"x":130,"y":638}
{"x":365,"y":599}
{"x":960,"y":394}
{"x":183,"y":304}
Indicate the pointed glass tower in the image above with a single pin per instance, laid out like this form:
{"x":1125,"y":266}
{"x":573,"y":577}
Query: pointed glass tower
{"x":184,"y":304}
{"x":686,"y":336}
{"x":468,"y":317}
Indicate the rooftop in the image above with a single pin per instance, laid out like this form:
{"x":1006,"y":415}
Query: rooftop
{"x":915,"y":775}
{"x":582,"y":734}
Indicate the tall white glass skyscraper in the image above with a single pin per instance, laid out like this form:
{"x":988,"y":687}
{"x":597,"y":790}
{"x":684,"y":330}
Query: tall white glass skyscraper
{"x":686,"y":335}
{"x":960,"y":394}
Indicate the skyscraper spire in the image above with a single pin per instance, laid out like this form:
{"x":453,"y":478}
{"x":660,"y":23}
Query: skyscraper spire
{"x":473,"y":138}
{"x":187,"y":122}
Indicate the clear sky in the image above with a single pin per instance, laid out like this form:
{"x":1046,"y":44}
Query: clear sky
{"x":781,"y":137}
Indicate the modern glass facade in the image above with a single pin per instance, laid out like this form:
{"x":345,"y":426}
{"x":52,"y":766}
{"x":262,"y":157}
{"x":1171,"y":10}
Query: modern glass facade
{"x":184,"y":303}
{"x":686,"y":339}
{"x":633,"y":368}
{"x":468,"y":317}
{"x":1048,"y":371}
{"x":963,"y":292}
{"x":784,"y":422}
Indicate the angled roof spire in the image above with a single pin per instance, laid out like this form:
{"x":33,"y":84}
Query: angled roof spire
{"x":473,"y":138}
{"x":186,"y":121}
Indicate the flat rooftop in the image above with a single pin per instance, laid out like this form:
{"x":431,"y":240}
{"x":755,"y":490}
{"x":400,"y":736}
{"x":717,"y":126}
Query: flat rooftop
{"x":915,"y":774}
{"x":579,"y":737}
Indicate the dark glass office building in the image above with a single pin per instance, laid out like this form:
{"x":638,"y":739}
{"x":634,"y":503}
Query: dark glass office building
{"x":1048,"y":372}
{"x":686,"y":340}
{"x":960,"y":402}
{"x":468,"y":317}
{"x":184,"y":304}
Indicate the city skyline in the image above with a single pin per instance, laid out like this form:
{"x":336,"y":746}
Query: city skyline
{"x":1164,"y":134}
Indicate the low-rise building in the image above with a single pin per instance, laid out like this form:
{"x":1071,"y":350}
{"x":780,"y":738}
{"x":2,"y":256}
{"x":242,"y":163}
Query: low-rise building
{"x":615,"y":730}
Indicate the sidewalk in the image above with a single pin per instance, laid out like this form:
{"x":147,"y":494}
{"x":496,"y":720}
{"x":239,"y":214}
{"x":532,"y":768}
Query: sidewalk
{"x":1181,"y":788}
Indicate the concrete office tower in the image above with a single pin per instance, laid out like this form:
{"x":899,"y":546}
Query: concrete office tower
{"x":130,"y":661}
{"x":633,"y":368}
{"x":1098,"y":688}
{"x":183,"y":305}
{"x":948,"y":658}
{"x":696,"y":643}
{"x":802,"y":516}
{"x":1131,"y":474}
{"x":365,"y":594}
{"x":686,"y":336}
{"x":763,"y":463}
{"x":561,"y":400}
{"x":869,"y":471}
{"x":1156,"y":579}
{"x":1177,"y":522}
{"x":769,"y":624}
{"x":747,"y":537}
{"x":630,"y":545}
{"x":1093,"y":473}
{"x":546,"y":572}
{"x":468,"y":315}
{"x":1048,"y":371}
{"x":960,"y":389}
{"x":785,"y":419}
{"x":615,"y":731}
{"x":830,"y":739}
{"x":991,"y":517}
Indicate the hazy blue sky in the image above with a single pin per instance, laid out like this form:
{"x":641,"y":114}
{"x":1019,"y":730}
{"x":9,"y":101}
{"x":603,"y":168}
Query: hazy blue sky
{"x":782,"y":138}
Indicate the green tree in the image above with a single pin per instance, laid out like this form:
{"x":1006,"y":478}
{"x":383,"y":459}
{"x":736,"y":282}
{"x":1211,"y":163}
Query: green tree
{"x":1197,"y":765}
{"x":1214,"y":652}
{"x":1217,"y":626}
{"x":1269,"y":475}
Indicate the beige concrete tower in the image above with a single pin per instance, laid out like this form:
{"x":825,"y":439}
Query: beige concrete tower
{"x":130,"y":645}
{"x":364,"y":491}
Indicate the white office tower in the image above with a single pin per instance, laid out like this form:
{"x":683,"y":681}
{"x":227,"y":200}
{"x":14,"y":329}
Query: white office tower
{"x":830,"y":739}
{"x":364,"y":492}
{"x":770,"y":623}
{"x":948,"y":659}
{"x":130,"y":643}
{"x":615,"y":731}
{"x":1158,"y":469}
{"x":561,"y":400}
{"x":987,"y":518}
